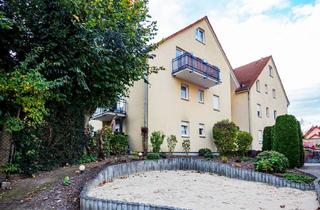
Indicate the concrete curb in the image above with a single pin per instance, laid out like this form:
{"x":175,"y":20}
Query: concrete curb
{"x":125,"y":169}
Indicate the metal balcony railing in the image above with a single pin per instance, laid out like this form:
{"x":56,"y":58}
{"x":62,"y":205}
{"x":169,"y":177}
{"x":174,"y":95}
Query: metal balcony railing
{"x":188,"y":61}
{"x":119,"y":108}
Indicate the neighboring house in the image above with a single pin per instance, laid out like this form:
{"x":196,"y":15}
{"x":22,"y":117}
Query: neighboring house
{"x":197,"y":89}
{"x":260,"y":98}
{"x":312,"y":137}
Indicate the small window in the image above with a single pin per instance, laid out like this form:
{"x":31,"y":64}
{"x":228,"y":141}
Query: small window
{"x":184,"y":129}
{"x":275,"y":115}
{"x":201,"y":96}
{"x":184,"y":92}
{"x":202,"y":130}
{"x":200,"y":35}
{"x":216,"y":102}
{"x":266,"y":88}
{"x":274,"y":93}
{"x":260,"y":136}
{"x":258,"y":85}
{"x":259,"y":114}
{"x":270,"y":71}
{"x":179,"y":52}
{"x":267,"y":112}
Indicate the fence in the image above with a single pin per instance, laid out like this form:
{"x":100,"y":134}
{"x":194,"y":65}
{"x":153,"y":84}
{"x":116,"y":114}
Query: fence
{"x":125,"y":169}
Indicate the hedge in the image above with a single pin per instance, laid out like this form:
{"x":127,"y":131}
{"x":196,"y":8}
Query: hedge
{"x":267,"y":138}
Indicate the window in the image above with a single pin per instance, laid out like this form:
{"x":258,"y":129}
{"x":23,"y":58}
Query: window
{"x":260,"y":136}
{"x":258,"y":85}
{"x":200,"y":35}
{"x":267,"y":112}
{"x":274,"y":93}
{"x":270,"y":71}
{"x":184,"y":129}
{"x":184,"y":92}
{"x":201,"y":96}
{"x":259,"y":110}
{"x":275,"y":115}
{"x":202,"y":130}
{"x":216,"y":102}
{"x":179,"y":52}
{"x":266,"y":88}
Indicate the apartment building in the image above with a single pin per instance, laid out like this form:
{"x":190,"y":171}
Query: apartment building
{"x":197,"y":89}
{"x":260,"y":98}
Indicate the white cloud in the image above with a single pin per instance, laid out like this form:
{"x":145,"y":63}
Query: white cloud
{"x":258,"y":7}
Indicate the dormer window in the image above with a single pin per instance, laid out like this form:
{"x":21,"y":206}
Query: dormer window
{"x":200,"y":35}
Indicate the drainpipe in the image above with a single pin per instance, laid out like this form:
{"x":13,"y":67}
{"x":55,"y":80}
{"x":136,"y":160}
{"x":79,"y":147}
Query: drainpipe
{"x":249,"y":117}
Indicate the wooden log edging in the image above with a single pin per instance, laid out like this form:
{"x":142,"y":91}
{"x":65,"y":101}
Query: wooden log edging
{"x":125,"y":169}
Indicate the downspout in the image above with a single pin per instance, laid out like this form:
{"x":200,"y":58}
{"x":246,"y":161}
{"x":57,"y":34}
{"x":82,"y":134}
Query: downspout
{"x":249,"y":115}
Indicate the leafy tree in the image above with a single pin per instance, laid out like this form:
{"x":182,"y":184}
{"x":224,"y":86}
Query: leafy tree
{"x":186,"y":146}
{"x":243,"y":142}
{"x":267,"y":138}
{"x":171,"y":142}
{"x":157,"y":138}
{"x":224,"y":135}
{"x":286,"y":139}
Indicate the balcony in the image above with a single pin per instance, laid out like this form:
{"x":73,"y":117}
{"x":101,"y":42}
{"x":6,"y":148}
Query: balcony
{"x":195,"y":70}
{"x":107,"y":114}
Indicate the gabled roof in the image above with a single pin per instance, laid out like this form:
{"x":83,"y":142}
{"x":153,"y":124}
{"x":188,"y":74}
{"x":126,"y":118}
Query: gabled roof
{"x":248,"y":74}
{"x":313,"y":128}
{"x":205,"y":18}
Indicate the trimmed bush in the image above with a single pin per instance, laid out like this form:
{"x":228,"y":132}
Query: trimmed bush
{"x":271,"y":162}
{"x":300,"y":144}
{"x":243,"y":142}
{"x":157,"y":138}
{"x":203,"y":151}
{"x":224,"y":135}
{"x":118,"y":144}
{"x":153,"y":156}
{"x":286,"y":139}
{"x":267,"y":138}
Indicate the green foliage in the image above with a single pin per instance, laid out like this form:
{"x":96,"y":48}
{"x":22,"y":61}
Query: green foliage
{"x":10,"y":168}
{"x":171,"y":142}
{"x":267,"y":138}
{"x":271,"y":162}
{"x":301,"y":148}
{"x":157,"y":138}
{"x":87,"y":159}
{"x":225,"y":134}
{"x":186,"y":146}
{"x":119,"y":144}
{"x":286,"y":139}
{"x":203,"y":151}
{"x":153,"y":156}
{"x":224,"y":159}
{"x":208,"y":155}
{"x":66,"y":181}
{"x":243,"y":142}
{"x":298,"y":178}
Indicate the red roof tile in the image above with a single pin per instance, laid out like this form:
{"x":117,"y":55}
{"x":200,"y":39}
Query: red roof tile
{"x":247,"y":74}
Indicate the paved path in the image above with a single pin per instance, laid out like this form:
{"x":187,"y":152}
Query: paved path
{"x":312,"y":168}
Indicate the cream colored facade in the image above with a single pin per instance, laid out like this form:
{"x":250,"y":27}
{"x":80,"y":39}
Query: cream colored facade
{"x":245,"y":104}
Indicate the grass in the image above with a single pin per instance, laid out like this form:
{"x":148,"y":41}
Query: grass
{"x":298,"y":178}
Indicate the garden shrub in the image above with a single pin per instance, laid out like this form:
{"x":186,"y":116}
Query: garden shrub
{"x":203,"y":151}
{"x":118,"y":144}
{"x":298,"y":178}
{"x":171,"y":142}
{"x":208,"y":155}
{"x":271,"y":162}
{"x":243,"y":142}
{"x":86,"y":158}
{"x":286,"y":139}
{"x":186,"y":146}
{"x":157,"y":138}
{"x":153,"y":156}
{"x":225,"y":134}
{"x":11,"y":168}
{"x":301,"y":148}
{"x":267,"y":138}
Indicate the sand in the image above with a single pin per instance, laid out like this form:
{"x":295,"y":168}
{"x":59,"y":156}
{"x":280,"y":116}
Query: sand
{"x":192,"y":190}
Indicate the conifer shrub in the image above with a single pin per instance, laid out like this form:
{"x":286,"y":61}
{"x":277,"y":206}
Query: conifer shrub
{"x":267,"y":138}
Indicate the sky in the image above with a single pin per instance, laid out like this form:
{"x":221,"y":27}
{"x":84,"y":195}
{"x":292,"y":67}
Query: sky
{"x":251,"y":29}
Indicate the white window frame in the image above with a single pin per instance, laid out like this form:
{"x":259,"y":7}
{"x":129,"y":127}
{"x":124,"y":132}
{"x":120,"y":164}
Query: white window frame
{"x":200,"y":38}
{"x":270,"y":71}
{"x":202,"y":126}
{"x":268,"y":112}
{"x":266,"y":89}
{"x":259,"y":110}
{"x":258,"y":86}
{"x":200,"y":100}
{"x":216,"y":106}
{"x":187,"y":125}
{"x":260,"y":136}
{"x":187,"y":92}
{"x":274,"y":93}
